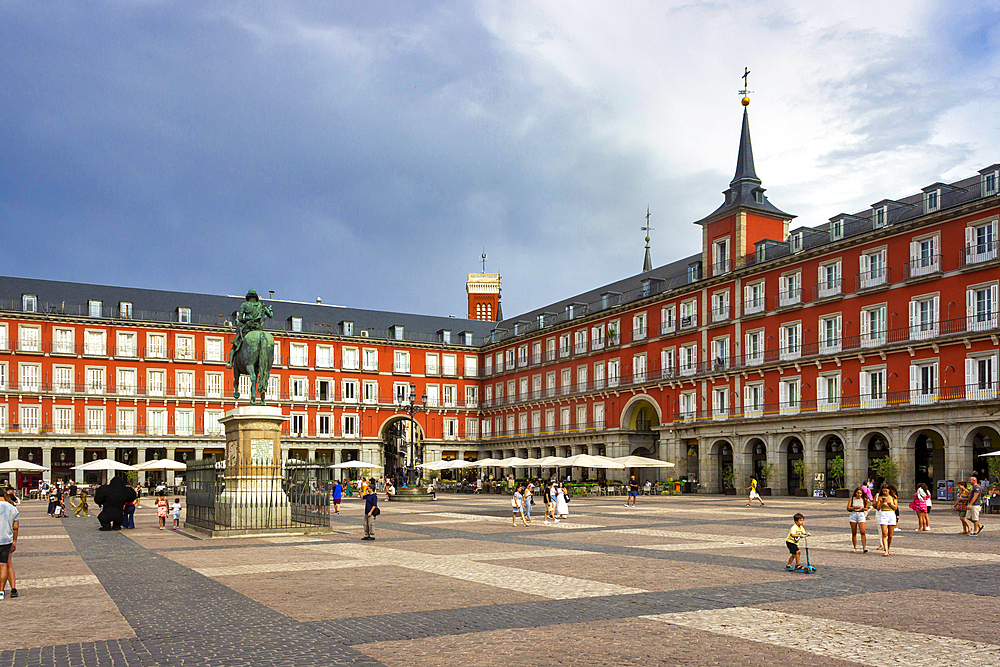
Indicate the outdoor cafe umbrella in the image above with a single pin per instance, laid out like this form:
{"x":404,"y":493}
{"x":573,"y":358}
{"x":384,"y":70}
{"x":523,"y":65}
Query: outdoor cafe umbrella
{"x":996,"y":453}
{"x":162,"y":464}
{"x":356,"y":464}
{"x":642,"y":462}
{"x":512,"y":462}
{"x":589,"y":461}
{"x":104,"y":464}
{"x":435,"y":465}
{"x":487,"y":463}
{"x":549,"y":462}
{"x":17,"y":465}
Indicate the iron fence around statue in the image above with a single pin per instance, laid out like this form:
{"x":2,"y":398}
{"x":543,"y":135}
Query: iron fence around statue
{"x":257,"y":497}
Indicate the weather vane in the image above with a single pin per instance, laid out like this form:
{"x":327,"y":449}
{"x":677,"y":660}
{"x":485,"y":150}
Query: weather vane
{"x":646,"y":228}
{"x":483,"y":259}
{"x":746,"y":91}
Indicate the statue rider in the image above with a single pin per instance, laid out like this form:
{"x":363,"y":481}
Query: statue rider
{"x":250,"y":316}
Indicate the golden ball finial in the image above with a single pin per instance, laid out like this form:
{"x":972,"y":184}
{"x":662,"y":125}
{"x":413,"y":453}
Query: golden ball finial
{"x":746,"y":101}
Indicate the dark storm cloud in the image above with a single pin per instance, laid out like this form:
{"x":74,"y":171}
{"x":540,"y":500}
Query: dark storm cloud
{"x":365,"y":153}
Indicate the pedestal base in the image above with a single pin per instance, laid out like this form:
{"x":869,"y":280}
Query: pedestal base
{"x":411,"y":496}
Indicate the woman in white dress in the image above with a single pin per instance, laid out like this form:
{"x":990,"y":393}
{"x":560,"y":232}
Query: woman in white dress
{"x":562,"y":507}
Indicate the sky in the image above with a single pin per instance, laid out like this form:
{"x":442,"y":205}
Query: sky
{"x":368,"y":153}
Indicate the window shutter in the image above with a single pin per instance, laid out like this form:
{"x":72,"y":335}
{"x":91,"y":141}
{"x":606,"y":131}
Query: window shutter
{"x":783,"y":393}
{"x":914,"y":316}
{"x":970,"y":240}
{"x":865,"y":323}
{"x":836,"y":271}
{"x":993,"y":305}
{"x":914,"y":381}
{"x":782,"y":338}
{"x":839,"y":333}
{"x":970,"y":374}
{"x":935,"y":313}
{"x":866,"y":262}
{"x":821,"y":334}
{"x":747,"y":402}
{"x":747,"y":294}
{"x":863,"y":383}
{"x":914,"y":250}
{"x":970,"y":306}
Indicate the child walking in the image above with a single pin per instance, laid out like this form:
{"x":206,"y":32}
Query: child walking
{"x":82,"y":506}
{"x":753,"y":492}
{"x":177,"y":513}
{"x":792,"y":542}
{"x":161,"y":510}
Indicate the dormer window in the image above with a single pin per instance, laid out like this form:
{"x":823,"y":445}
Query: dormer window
{"x":758,"y":196}
{"x":836,"y":229}
{"x":184,"y":315}
{"x":795,"y":242}
{"x":761,"y":252}
{"x":646,"y":287}
{"x":445,"y":335}
{"x":569,"y":312}
{"x":879,"y":216}
{"x":396,"y":331}
{"x":989,"y":182}
{"x":29,"y":303}
{"x":125,"y":310}
{"x":346,"y":328}
{"x":296,"y":324}
{"x":95,"y":308}
{"x":932,"y":201}
{"x":694,"y":272}
{"x":466,"y":337}
{"x":540,"y":320}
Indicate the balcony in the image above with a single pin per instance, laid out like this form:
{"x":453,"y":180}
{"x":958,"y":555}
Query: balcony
{"x":720,"y":314}
{"x":689,"y":322}
{"x":790,"y":297}
{"x":721,"y":267}
{"x":922,"y":266}
{"x":580,"y":348}
{"x":754,"y":305}
{"x":873,"y":279}
{"x":978,"y":253}
{"x":65,"y":348}
{"x":639,"y":333}
{"x":667,"y":327}
{"x":828,"y":289}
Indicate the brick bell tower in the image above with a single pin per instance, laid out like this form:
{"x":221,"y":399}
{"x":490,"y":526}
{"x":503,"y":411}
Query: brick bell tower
{"x":484,"y":295}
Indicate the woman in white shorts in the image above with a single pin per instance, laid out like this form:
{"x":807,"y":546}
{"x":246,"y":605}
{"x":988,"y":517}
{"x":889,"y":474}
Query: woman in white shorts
{"x":858,"y":507}
{"x":886,"y":504}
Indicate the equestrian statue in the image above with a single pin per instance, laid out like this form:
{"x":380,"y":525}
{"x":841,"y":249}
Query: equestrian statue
{"x":252,"y":351}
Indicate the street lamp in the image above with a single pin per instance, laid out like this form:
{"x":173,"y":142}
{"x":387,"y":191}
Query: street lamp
{"x":411,"y":408}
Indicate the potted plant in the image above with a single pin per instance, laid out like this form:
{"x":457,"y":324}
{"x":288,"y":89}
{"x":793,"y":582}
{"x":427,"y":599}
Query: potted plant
{"x":836,"y":467}
{"x":728,"y":481}
{"x":799,"y":467}
{"x":765,"y":476}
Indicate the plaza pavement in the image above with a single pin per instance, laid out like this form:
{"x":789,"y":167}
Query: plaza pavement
{"x":689,"y":580}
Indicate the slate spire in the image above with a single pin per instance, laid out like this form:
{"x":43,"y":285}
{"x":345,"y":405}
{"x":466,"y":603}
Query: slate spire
{"x":744,"y":162}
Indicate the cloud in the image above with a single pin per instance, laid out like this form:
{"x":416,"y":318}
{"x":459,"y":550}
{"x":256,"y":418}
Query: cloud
{"x":368,"y":153}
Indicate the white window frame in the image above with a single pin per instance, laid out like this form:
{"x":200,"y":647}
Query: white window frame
{"x":720,"y":402}
{"x":95,"y":342}
{"x":873,"y":337}
{"x":873,"y":268}
{"x":668,"y":319}
{"x":754,"y":298}
{"x":298,"y":355}
{"x":753,"y":350}
{"x":921,"y":263}
{"x":349,"y":391}
{"x":324,"y":356}
{"x":925,"y":381}
{"x":156,"y":346}
{"x":790,"y":341}
{"x":369,"y":359}
{"x":790,"y":289}
{"x":830,"y":344}
{"x":688,"y":359}
{"x":753,"y":400}
{"x":95,"y":421}
{"x":981,"y":241}
{"x":63,"y":340}
{"x":689,"y":314}
{"x":62,"y":419}
{"x":184,"y":347}
{"x":981,"y":376}
{"x":350,"y":359}
{"x":790,"y":395}
{"x":720,"y":306}
{"x":215,"y":349}
{"x":922,"y":328}
{"x":830,"y":279}
{"x":184,"y":383}
{"x":126,"y":344}
{"x":125,"y":420}
{"x":872,"y":382}
{"x":400,"y":361}
{"x":184,"y":422}
{"x":981,"y":313}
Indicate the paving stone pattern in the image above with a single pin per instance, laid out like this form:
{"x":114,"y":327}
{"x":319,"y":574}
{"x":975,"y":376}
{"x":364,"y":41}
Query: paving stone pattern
{"x":722,"y":596}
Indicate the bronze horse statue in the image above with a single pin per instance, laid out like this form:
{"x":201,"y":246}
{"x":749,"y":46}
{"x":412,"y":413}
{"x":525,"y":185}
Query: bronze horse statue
{"x":254,"y":358}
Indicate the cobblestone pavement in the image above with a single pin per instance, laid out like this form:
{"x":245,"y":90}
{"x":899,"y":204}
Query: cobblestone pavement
{"x":677,"y":580}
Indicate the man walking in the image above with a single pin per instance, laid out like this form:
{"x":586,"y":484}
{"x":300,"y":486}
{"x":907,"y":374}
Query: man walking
{"x":371,"y":511}
{"x":975,"y":504}
{"x":633,"y":492}
{"x":8,"y":543}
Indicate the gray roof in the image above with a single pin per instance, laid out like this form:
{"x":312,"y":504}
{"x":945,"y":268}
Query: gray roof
{"x":151,"y":305}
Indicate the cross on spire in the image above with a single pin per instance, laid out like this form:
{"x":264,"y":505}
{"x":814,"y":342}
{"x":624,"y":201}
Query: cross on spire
{"x":647,"y":264}
{"x":746,"y":89}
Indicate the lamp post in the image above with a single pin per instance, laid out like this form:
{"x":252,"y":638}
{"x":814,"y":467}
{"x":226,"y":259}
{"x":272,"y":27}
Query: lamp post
{"x":411,"y":408}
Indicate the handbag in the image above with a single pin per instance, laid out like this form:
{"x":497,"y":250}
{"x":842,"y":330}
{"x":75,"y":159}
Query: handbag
{"x":376,"y":511}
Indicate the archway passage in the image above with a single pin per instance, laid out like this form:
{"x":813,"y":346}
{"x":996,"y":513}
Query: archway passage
{"x":928,"y":458}
{"x":402,"y":439}
{"x":758,"y":459}
{"x":795,"y":473}
{"x":878,"y":449}
{"x":723,"y":454}
{"x":834,"y":470}
{"x":985,"y":440}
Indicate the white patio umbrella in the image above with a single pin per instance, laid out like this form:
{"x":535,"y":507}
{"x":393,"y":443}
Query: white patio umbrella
{"x":550,"y":462}
{"x":162,"y":464}
{"x":356,"y":464}
{"x":435,"y":465}
{"x":996,"y":453}
{"x":642,"y":462}
{"x":104,"y":464}
{"x":589,"y":461}
{"x":487,"y":463}
{"x":512,"y":462}
{"x":17,"y":465}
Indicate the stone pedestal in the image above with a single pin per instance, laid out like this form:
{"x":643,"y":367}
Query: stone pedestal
{"x":254,"y":499}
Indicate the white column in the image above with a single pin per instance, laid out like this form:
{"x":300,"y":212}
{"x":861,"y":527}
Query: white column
{"x":171,"y":453}
{"x":199,"y":453}
{"x":47,"y":463}
{"x":79,"y":453}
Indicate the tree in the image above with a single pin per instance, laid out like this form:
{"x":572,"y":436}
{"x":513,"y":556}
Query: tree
{"x":799,"y":467}
{"x":836,"y":467}
{"x":728,"y":477}
{"x":993,"y":467}
{"x":886,"y":469}
{"x":765,"y":473}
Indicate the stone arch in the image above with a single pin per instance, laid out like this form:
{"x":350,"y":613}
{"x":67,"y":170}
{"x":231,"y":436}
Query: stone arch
{"x":970,"y":434}
{"x":980,"y":439}
{"x":790,"y":449}
{"x":389,"y":421}
{"x":720,"y":457}
{"x":928,"y":444}
{"x":635,"y":408}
